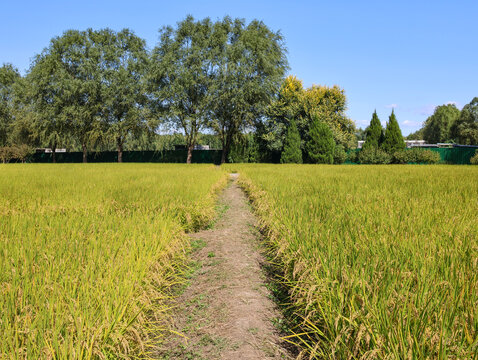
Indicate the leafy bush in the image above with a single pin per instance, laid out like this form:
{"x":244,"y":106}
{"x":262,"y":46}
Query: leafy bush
{"x":373,"y":156}
{"x":6,"y":154}
{"x":352,"y":156}
{"x":474,"y":159}
{"x":339,"y":154}
{"x":428,"y":157}
{"x":417,"y":156}
{"x":17,"y":152}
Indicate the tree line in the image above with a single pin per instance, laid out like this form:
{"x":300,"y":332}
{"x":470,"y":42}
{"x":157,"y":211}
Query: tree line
{"x":101,"y":89}
{"x":447,"y":124}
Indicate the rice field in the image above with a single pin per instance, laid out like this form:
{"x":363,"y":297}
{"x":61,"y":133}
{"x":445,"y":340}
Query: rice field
{"x":380,"y":262}
{"x":88,"y":253}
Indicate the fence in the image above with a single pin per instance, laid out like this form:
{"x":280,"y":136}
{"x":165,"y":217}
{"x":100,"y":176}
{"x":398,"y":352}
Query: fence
{"x":166,"y":156}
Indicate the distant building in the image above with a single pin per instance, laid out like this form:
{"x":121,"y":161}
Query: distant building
{"x":49,"y":151}
{"x":201,"y":147}
{"x":414,"y":143}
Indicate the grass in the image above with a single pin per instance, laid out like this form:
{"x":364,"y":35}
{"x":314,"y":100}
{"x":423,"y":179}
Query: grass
{"x":88,"y":253}
{"x":380,"y":262}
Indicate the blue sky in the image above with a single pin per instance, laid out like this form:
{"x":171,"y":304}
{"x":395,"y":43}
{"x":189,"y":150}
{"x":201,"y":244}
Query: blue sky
{"x":410,"y":55}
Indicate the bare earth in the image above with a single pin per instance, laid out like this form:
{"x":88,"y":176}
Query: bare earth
{"x":226,"y":312}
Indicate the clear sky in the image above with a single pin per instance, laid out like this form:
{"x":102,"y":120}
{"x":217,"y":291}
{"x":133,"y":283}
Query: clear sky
{"x":410,"y":55}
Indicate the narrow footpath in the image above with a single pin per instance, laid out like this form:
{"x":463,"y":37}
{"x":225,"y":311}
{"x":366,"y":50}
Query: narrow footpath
{"x":226,"y":312}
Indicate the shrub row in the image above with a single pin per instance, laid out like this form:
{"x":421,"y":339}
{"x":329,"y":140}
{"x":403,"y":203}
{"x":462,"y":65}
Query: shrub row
{"x":19,"y":153}
{"x":377,"y":156}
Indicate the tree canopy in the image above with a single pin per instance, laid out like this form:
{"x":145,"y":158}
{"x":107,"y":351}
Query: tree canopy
{"x":328,"y":104}
{"x":374,"y":133}
{"x":437,"y":126}
{"x":393,"y":139}
{"x":8,"y":77}
{"x":292,"y":152}
{"x":465,"y":128}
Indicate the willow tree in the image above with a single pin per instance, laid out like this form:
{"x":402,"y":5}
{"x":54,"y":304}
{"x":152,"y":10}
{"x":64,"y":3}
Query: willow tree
{"x":68,"y":88}
{"x":8,"y":77}
{"x":181,"y":73}
{"x":123,"y":70}
{"x":249,"y":63}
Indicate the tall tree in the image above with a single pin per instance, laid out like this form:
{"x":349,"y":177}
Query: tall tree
{"x":44,"y":90}
{"x":180,"y":76}
{"x":374,"y":133}
{"x":124,"y":97}
{"x":393,"y":139}
{"x":249,"y":63}
{"x":465,"y":129}
{"x":293,"y":101}
{"x":292,"y":152}
{"x":69,"y":81}
{"x":320,"y":146}
{"x":8,"y":77}
{"x":437,"y":126}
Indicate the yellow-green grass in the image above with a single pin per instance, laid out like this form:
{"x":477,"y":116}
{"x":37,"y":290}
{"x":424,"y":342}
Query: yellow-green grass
{"x":381,"y":262}
{"x":88,"y":252}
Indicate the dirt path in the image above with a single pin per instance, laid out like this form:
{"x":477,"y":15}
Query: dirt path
{"x":226,"y":312}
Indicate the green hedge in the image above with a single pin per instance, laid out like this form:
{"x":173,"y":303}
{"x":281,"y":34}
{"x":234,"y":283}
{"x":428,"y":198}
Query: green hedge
{"x":455,"y":155}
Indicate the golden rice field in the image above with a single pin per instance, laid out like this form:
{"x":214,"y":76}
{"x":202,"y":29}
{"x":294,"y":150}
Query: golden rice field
{"x":380,"y":262}
{"x":88,"y":252}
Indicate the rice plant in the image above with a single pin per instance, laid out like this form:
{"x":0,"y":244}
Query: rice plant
{"x":88,"y":253}
{"x":380,"y":262}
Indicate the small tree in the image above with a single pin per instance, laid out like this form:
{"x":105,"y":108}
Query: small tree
{"x":320,"y":147}
{"x":393,"y":139}
{"x":374,"y":133}
{"x":292,"y":152}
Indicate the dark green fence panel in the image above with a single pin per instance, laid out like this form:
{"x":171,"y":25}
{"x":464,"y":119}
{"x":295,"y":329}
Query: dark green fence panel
{"x":455,"y":155}
{"x":167,"y":156}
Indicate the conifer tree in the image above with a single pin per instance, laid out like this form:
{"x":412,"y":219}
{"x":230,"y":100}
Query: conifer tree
{"x":321,"y":145}
{"x":374,"y":133}
{"x":292,"y":154}
{"x":393,"y":139}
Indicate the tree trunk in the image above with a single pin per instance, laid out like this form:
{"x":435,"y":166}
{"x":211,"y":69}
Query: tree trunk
{"x":190,"y":154}
{"x":53,"y":154}
{"x":85,"y":153}
{"x":225,"y":148}
{"x":119,"y":145}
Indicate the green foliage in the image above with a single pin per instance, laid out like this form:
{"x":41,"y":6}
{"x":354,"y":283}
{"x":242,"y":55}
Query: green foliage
{"x":352,"y":156}
{"x":360,"y":134}
{"x":320,"y":147}
{"x":393,"y":139}
{"x":124,"y":110}
{"x":249,"y":63}
{"x":340,"y":156}
{"x":8,"y":77}
{"x":181,"y":74}
{"x":465,"y":128}
{"x":15,"y":152}
{"x":244,"y":148}
{"x":292,"y":152}
{"x":437,"y":126}
{"x":417,"y":135}
{"x":374,"y":133}
{"x":373,"y":156}
{"x":474,"y":159}
{"x":416,"y":156}
{"x":295,"y":102}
